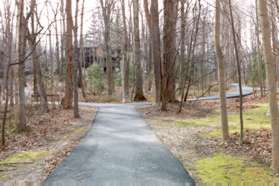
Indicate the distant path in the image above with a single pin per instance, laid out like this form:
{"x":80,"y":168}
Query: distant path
{"x":247,"y":91}
{"x":120,"y":150}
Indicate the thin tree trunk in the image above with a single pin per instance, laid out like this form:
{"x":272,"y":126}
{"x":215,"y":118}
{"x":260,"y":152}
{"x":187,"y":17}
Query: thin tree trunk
{"x":63,"y":28}
{"x":125,"y":65}
{"x":41,"y":92}
{"x":81,"y":59}
{"x":76,"y":62}
{"x":259,"y":56}
{"x":238,"y":62}
{"x":182,"y":46}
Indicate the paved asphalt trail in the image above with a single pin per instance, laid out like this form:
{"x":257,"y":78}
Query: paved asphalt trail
{"x":246,"y":91}
{"x":120,"y":150}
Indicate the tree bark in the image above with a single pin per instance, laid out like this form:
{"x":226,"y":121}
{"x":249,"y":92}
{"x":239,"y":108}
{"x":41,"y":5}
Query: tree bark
{"x":21,"y":123}
{"x":152,"y":17}
{"x":125,"y":65}
{"x":68,"y":98}
{"x":39,"y":86}
{"x":238,"y":63}
{"x":272,"y":80}
{"x":107,"y":8}
{"x":139,"y":96}
{"x":169,"y":53}
{"x":221,"y":72}
{"x":81,"y":59}
{"x":76,"y":62}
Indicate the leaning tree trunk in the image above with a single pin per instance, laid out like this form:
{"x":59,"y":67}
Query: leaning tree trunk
{"x":272,"y":80}
{"x":139,"y":96}
{"x":221,"y":73}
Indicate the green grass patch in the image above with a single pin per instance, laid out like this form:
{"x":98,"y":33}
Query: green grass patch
{"x":255,"y":118}
{"x":24,"y":157}
{"x":229,"y":170}
{"x":210,"y":120}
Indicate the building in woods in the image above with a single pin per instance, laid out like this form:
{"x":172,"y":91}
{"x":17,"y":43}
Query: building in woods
{"x":97,"y":55}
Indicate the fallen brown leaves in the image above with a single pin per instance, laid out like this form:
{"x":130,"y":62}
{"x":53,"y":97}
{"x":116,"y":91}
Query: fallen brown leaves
{"x":257,"y":145}
{"x":56,"y":132}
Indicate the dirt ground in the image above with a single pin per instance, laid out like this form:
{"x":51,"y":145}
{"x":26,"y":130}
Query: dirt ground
{"x":31,"y":156}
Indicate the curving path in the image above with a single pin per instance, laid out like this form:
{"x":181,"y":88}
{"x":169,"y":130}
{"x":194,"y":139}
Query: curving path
{"x":247,"y":91}
{"x":120,"y":150}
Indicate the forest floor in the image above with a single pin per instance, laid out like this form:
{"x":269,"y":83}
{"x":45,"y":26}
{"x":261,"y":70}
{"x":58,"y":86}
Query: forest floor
{"x":194,"y":137}
{"x":31,"y":156}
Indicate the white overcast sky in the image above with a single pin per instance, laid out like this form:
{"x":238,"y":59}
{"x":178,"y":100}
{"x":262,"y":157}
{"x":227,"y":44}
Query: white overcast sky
{"x":91,"y":5}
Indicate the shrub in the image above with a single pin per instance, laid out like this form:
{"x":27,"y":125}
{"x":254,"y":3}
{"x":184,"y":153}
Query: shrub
{"x":95,"y":79}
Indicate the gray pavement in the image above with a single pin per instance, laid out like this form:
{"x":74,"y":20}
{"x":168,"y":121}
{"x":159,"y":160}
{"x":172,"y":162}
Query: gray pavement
{"x":120,"y":150}
{"x":247,"y":91}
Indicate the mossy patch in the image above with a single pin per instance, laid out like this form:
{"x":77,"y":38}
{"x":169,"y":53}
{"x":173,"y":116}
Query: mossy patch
{"x":24,"y":157}
{"x":228,"y":170}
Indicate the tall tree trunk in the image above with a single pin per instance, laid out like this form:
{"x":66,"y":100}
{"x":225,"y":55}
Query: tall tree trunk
{"x":81,"y":58}
{"x":21,"y":123}
{"x":139,"y":96}
{"x":272,"y":80}
{"x":8,"y":44}
{"x":68,"y":98}
{"x":107,"y":8}
{"x":221,"y":72}
{"x":62,"y":46}
{"x":76,"y":62}
{"x":40,"y":87}
{"x":57,"y":47}
{"x":259,"y":55}
{"x":169,"y":53}
{"x":125,"y":65}
{"x":152,"y":17}
{"x":182,"y":46}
